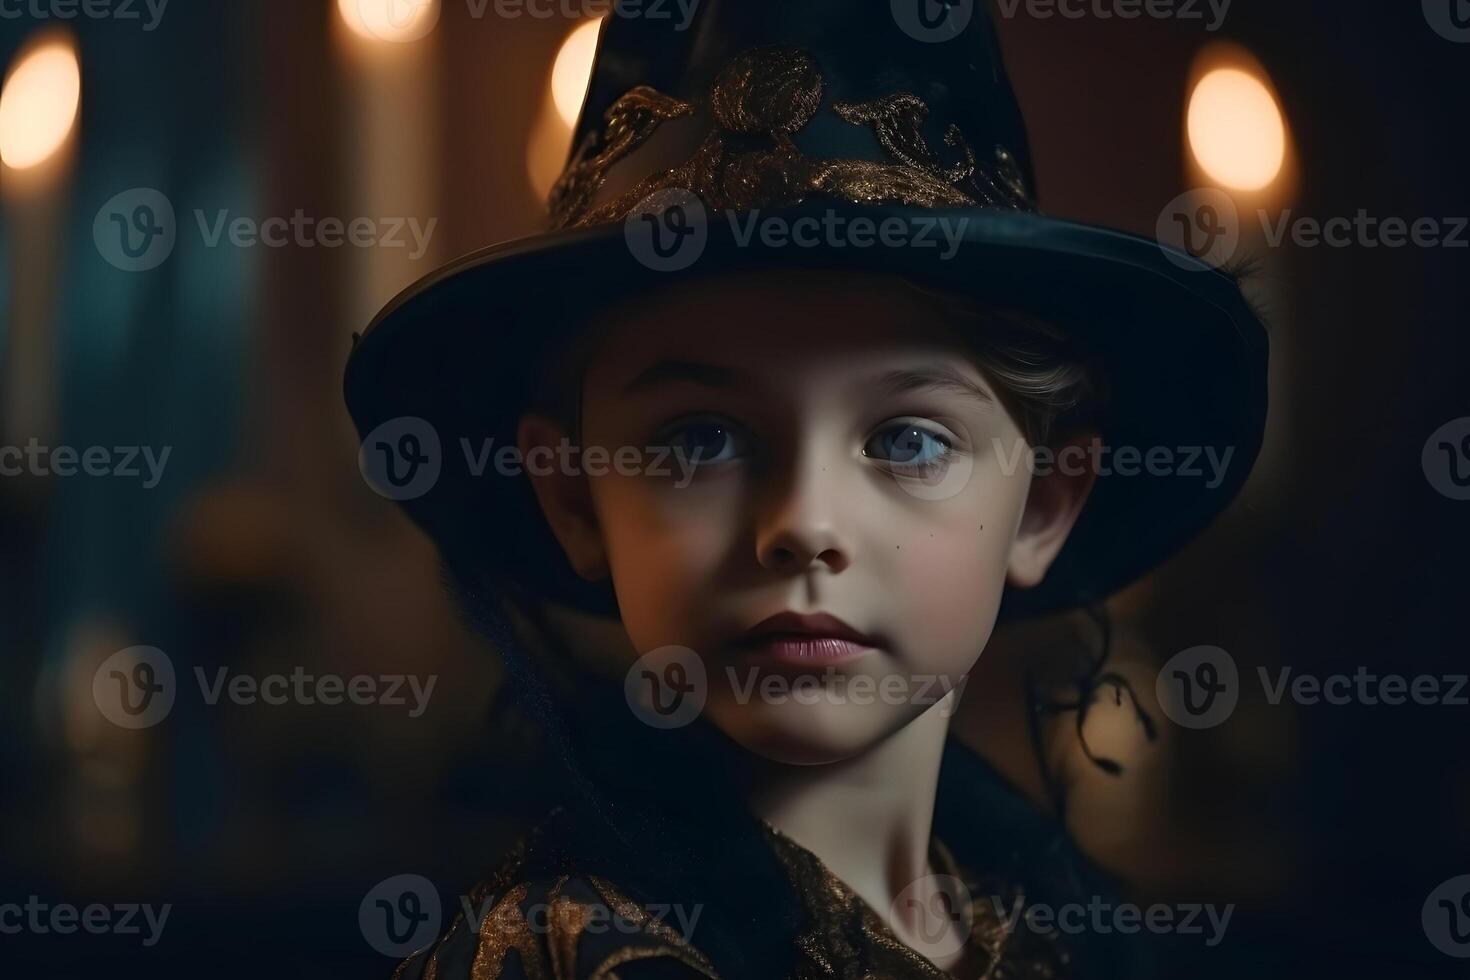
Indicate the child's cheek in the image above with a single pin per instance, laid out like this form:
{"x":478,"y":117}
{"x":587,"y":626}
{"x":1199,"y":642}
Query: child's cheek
{"x":949,"y":580}
{"x":666,"y":552}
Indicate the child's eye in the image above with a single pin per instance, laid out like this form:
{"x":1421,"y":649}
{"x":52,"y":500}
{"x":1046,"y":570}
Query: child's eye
{"x":705,"y":440}
{"x":910,"y":449}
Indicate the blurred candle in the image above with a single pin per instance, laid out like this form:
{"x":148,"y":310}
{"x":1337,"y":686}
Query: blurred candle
{"x":39,"y":105}
{"x":551,"y":135}
{"x":392,"y":163}
{"x":392,"y":21}
{"x":1238,"y":138}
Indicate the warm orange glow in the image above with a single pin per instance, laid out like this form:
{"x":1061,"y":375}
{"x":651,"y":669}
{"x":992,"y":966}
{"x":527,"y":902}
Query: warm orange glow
{"x":389,"y":20}
{"x":573,"y":70}
{"x":38,"y":106}
{"x":1236,"y":130}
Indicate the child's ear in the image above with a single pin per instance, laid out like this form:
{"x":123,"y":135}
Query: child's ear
{"x":1052,"y":505}
{"x":565,"y":498}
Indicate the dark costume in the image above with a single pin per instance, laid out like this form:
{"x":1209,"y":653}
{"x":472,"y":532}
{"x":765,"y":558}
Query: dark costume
{"x":827,"y":109}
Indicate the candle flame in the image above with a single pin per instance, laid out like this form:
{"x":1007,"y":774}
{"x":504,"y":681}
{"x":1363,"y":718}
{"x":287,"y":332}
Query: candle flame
{"x":1236,"y":129}
{"x":39,"y":103}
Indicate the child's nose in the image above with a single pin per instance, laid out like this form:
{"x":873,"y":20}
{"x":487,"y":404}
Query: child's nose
{"x":802,"y":521}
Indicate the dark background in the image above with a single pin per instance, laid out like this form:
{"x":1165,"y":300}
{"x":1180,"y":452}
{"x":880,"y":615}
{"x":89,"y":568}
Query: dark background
{"x":263,"y":549}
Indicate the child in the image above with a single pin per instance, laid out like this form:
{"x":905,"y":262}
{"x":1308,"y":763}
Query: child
{"x":768,"y":499}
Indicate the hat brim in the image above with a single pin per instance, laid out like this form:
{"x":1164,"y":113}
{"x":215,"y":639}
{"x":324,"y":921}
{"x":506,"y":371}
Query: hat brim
{"x":1185,"y":355}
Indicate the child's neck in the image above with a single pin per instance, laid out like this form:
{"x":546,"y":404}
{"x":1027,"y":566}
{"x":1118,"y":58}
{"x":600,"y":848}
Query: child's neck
{"x":867,"y":818}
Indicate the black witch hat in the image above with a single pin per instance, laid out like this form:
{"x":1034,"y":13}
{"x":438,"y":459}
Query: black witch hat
{"x":897,"y":115}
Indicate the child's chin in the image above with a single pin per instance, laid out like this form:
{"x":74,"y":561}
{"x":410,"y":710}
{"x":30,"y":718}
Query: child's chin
{"x":806,"y":734}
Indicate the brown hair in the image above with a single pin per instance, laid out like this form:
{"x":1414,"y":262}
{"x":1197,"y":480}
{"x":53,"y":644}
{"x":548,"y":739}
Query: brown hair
{"x":1051,"y":385}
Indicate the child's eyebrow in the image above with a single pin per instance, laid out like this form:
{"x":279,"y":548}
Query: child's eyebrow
{"x":933,"y":378}
{"x":660,"y":372}
{"x":937,"y":378}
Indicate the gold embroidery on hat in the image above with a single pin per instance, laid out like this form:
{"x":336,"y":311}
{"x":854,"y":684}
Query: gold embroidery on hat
{"x":749,"y":160}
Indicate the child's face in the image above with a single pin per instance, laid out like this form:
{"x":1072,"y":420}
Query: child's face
{"x":854,"y":461}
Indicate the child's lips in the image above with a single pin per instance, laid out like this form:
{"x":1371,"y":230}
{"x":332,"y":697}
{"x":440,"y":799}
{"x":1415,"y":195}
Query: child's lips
{"x":804,"y":649}
{"x":804,"y":639}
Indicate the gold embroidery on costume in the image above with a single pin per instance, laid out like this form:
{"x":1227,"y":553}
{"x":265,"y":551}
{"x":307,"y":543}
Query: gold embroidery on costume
{"x":675,"y":945}
{"x":844,"y":938}
{"x":845,"y":935}
{"x":748,"y":160}
{"x":505,"y":929}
